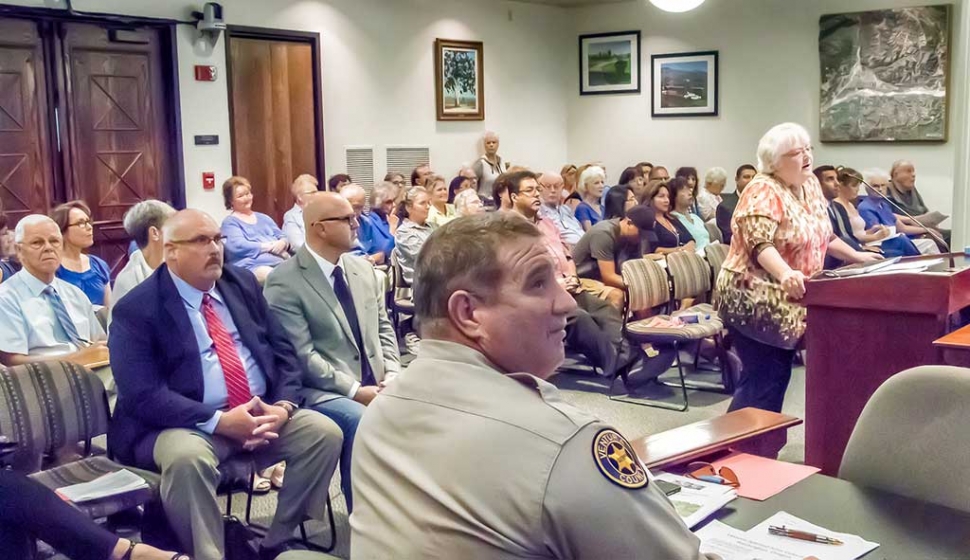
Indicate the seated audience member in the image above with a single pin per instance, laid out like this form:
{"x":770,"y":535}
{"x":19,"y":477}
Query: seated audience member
{"x":143,"y":222}
{"x":396,"y":179}
{"x":485,"y":284}
{"x":570,"y":177}
{"x":633,"y":178}
{"x":657,"y":176}
{"x":30,"y":511}
{"x":672,"y":236}
{"x":876,"y":210}
{"x":682,"y":211}
{"x":199,"y":358}
{"x":467,"y":172}
{"x":413,"y":231}
{"x":828,"y":180}
{"x":616,"y":204}
{"x":689,"y":174}
{"x":725,"y":210}
{"x":895,"y":246}
{"x":337,"y":182}
{"x":376,"y":234}
{"x":595,"y":329}
{"x":357,"y":197}
{"x":457,"y":185}
{"x":559,"y":213}
{"x":302,"y":186}
{"x":441,"y":211}
{"x":332,"y":307}
{"x":467,"y":203}
{"x":500,"y":193}
{"x":590,"y":187}
{"x":88,"y":272}
{"x":645,"y":167}
{"x":41,"y":316}
{"x":489,"y":166}
{"x":600,"y":254}
{"x":709,"y":196}
{"x":419,"y":174}
{"x":902,"y":191}
{"x":8,"y":251}
{"x":253,"y":240}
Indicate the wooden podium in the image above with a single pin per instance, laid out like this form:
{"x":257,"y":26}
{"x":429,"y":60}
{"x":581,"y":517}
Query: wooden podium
{"x":863,"y":330}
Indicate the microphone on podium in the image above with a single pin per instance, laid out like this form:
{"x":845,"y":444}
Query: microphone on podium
{"x":935,"y":236}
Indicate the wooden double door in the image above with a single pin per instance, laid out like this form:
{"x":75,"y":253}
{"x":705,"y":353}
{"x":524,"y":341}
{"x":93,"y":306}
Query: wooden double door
{"x":85,"y":113}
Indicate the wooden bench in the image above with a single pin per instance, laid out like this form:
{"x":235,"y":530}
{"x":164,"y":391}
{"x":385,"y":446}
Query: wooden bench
{"x":699,"y":439}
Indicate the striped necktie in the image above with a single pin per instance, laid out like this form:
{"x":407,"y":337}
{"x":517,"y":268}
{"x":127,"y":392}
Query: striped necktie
{"x":63,"y":317}
{"x":237,"y":383}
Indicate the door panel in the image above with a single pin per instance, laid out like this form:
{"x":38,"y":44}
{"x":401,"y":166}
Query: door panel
{"x":118,"y":131}
{"x":273,"y":123}
{"x":26,"y":176}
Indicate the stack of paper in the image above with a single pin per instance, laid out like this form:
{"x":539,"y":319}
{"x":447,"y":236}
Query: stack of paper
{"x":697,"y":500}
{"x":733,"y":544}
{"x":110,"y":484}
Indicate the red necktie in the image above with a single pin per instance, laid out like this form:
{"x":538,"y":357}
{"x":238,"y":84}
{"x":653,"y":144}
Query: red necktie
{"x":237,"y":384}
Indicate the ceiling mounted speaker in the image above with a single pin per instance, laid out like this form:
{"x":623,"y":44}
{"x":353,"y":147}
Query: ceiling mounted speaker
{"x":676,"y":5}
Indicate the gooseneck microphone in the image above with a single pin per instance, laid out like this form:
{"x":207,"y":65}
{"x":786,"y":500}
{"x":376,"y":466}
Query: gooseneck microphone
{"x":936,"y":237}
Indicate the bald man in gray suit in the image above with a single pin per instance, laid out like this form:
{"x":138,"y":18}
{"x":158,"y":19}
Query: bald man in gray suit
{"x":332,"y":307}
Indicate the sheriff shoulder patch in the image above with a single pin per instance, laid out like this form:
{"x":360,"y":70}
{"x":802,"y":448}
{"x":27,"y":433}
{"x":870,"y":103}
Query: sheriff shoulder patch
{"x":617,"y":461}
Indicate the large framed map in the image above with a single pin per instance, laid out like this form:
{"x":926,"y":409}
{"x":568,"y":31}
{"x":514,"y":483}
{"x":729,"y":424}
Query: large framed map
{"x":885,"y":75}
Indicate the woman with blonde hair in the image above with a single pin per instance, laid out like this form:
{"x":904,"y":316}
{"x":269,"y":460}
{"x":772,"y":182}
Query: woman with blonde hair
{"x":441,"y":211}
{"x":253,"y":240}
{"x":591,"y":183}
{"x":467,"y":203}
{"x":569,"y":178}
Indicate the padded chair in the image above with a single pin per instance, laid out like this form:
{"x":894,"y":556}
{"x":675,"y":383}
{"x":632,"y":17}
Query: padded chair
{"x":913,"y":437}
{"x":49,"y":406}
{"x":648,"y":290}
{"x":399,"y":300}
{"x":716,"y":254}
{"x":714,"y":232}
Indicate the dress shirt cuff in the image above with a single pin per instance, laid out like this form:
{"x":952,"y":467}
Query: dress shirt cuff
{"x":209,"y":426}
{"x":353,"y":389}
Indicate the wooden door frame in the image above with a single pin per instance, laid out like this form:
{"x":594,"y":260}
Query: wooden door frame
{"x":308,"y":37}
{"x":170,"y":70}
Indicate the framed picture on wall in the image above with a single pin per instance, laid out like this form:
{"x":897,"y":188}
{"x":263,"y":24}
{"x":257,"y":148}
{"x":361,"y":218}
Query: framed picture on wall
{"x":684,"y":84}
{"x":609,"y":63}
{"x":459,"y":80}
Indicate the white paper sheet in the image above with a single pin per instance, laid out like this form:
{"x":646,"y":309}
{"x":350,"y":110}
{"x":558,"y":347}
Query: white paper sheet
{"x":854,"y":547}
{"x":734,"y":544}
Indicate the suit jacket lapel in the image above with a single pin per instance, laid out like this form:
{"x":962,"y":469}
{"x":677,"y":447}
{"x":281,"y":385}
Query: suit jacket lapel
{"x":172,"y":302}
{"x":314,"y":277}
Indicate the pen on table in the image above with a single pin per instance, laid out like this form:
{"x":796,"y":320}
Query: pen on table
{"x":802,"y":535}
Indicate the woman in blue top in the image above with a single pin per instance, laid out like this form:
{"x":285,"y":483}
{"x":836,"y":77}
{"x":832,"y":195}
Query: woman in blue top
{"x":590,"y":187}
{"x":253,"y":240}
{"x":682,"y":200}
{"x":87,"y":272}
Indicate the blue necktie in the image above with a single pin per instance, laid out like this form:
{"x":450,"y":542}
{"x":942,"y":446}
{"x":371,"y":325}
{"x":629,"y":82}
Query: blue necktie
{"x":62,"y":315}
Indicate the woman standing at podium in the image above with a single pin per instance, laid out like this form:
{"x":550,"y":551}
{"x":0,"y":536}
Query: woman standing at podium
{"x":780,"y":234}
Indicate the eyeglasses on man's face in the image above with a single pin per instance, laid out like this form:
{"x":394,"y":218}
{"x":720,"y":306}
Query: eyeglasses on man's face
{"x":202,"y":240}
{"x":350,"y":220}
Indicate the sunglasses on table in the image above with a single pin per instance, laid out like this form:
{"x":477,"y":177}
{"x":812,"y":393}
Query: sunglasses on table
{"x":706,"y":472}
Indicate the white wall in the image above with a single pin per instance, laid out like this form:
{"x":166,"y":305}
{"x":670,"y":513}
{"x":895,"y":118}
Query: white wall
{"x":378,"y":78}
{"x":769,"y":73}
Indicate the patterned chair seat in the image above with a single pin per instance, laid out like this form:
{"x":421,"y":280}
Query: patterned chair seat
{"x":86,"y":470}
{"x":640,"y":330}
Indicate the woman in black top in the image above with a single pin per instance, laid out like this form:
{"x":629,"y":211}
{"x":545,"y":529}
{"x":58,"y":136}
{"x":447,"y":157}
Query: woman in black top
{"x":672,"y":236}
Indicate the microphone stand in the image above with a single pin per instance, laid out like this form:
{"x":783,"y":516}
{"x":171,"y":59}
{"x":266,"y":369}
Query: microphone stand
{"x":928,"y":231}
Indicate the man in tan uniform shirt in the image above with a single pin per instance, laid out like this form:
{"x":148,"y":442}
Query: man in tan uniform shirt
{"x":462,"y":458}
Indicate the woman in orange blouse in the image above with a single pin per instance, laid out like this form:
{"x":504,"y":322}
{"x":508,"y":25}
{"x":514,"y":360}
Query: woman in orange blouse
{"x":780,"y":234}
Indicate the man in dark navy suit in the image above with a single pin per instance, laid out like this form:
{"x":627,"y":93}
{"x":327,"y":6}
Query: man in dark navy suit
{"x":205,"y":372}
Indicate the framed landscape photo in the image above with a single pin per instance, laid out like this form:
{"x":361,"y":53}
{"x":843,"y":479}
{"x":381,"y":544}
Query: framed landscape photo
{"x":684,"y":84}
{"x":609,"y":63}
{"x":459,"y":80}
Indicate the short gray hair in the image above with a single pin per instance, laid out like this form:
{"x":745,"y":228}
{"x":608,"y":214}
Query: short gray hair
{"x":144,"y":215}
{"x":716,"y":175}
{"x":897,"y":164}
{"x":874,"y":173}
{"x":589,"y":175}
{"x":463,"y":198}
{"x":777,"y":141}
{"x":380,"y":191}
{"x":351,"y":190}
{"x":30,"y":220}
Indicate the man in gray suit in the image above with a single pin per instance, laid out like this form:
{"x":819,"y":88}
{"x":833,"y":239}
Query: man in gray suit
{"x":332,"y":307}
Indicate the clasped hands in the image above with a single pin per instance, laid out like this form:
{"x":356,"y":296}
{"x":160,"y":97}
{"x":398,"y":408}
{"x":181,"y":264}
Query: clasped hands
{"x":253,"y":424}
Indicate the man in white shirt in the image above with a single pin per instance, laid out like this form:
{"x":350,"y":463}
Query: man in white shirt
{"x":302,"y":186}
{"x":143,"y":222}
{"x":332,"y":307}
{"x":41,"y":316}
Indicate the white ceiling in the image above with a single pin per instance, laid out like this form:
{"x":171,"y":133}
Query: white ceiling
{"x":572,"y":3}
